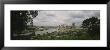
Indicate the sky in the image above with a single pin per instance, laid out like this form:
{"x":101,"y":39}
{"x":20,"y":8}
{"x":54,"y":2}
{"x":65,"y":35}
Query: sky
{"x":63,"y":17}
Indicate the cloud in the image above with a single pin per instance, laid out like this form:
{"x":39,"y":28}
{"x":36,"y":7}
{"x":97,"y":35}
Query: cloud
{"x":59,"y":17}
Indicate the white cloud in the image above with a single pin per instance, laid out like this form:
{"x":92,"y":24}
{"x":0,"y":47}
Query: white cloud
{"x":57,"y":17}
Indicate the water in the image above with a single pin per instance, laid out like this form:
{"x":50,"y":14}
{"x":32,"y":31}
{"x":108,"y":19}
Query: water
{"x":45,"y":31}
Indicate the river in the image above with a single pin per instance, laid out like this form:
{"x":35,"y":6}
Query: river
{"x":45,"y":31}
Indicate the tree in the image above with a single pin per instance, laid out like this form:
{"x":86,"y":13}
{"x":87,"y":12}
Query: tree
{"x":92,"y":25}
{"x":32,"y":14}
{"x":19,"y":20}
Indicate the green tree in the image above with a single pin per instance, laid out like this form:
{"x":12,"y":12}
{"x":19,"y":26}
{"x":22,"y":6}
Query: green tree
{"x":32,"y":14}
{"x":91,"y":25}
{"x":19,"y":20}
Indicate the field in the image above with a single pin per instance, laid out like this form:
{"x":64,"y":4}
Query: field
{"x":60,"y":34}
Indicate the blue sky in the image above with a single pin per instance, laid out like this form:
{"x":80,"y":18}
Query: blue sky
{"x":67,"y":17}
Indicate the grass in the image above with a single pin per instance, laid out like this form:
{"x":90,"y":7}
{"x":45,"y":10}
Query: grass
{"x":66,"y":35}
{"x":61,"y":34}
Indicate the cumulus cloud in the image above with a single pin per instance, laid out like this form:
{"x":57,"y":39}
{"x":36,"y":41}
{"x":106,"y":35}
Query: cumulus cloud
{"x":67,"y":17}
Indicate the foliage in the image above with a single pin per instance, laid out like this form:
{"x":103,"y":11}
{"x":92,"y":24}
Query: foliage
{"x":77,"y":34}
{"x":19,"y":20}
{"x":91,"y":25}
{"x":63,"y":36}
